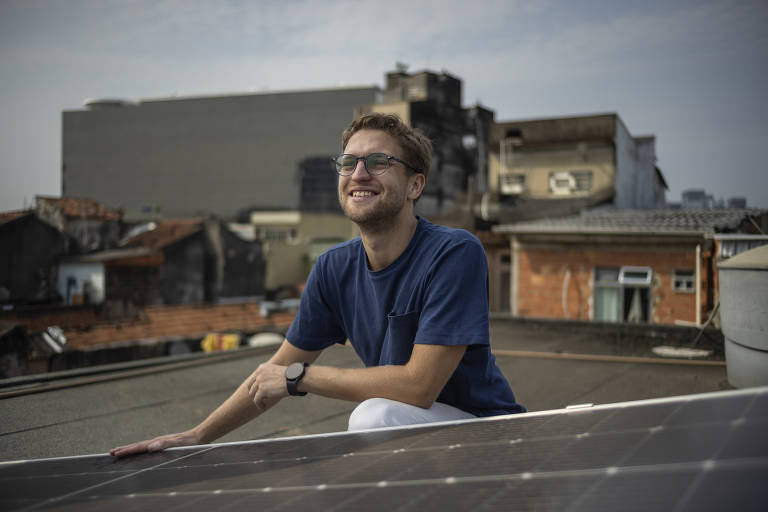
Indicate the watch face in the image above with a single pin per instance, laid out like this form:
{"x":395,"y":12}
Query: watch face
{"x":294,"y":371}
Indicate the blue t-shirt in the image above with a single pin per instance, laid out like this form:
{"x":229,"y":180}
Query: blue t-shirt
{"x":435,"y":292}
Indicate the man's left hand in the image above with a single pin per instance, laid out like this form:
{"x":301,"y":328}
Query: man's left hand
{"x":266,"y":385}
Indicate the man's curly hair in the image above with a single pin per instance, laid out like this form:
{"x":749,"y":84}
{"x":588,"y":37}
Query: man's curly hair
{"x":416,"y":145}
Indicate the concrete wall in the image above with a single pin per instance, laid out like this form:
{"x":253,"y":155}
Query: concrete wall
{"x":188,"y":271}
{"x":286,"y":264}
{"x":318,"y":226}
{"x":636,"y":181}
{"x":537,"y":164}
{"x":92,"y":235}
{"x":552,"y":275}
{"x":401,"y":109}
{"x":601,"y":144}
{"x":187,"y":156}
{"x":243,"y":269}
{"x":289,"y":263}
{"x":538,"y":148}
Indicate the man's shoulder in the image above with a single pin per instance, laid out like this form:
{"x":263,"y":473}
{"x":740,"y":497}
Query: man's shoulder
{"x":341,"y":252}
{"x":448,"y":235}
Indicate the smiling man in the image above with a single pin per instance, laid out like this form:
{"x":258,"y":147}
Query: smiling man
{"x":410,"y":296}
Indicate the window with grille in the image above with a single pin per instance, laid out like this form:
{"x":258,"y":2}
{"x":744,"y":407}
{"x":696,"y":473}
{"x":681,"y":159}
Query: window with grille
{"x":582,"y":181}
{"x":683,"y":280}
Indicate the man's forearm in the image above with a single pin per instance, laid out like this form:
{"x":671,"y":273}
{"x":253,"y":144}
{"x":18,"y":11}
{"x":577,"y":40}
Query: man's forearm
{"x":359,"y":384}
{"x":418,"y":382}
{"x":240,"y":407}
{"x":235,"y":412}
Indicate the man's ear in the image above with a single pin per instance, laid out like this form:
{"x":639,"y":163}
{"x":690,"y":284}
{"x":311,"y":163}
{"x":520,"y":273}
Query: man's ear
{"x":416,"y":186}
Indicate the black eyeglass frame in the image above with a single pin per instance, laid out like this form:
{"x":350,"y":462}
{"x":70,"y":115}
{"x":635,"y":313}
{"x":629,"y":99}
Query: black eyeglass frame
{"x":365,"y":158}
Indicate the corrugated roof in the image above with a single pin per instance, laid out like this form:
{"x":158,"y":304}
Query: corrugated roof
{"x":687,"y":221}
{"x":165,"y":233}
{"x":79,"y":208}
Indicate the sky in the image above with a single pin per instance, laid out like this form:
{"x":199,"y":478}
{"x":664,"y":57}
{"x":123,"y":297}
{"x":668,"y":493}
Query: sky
{"x":692,"y":73}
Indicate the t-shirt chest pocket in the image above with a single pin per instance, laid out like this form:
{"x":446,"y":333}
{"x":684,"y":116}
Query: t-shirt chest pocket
{"x":399,"y":337}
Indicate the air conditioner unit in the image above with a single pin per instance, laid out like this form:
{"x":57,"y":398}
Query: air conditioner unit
{"x":561,"y":183}
{"x":640,"y":276}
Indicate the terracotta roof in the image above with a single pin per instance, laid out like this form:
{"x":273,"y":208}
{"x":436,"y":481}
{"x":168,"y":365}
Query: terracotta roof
{"x":110,"y":255}
{"x":163,"y":323}
{"x":686,"y":221}
{"x":79,"y":208}
{"x":9,"y":216}
{"x":165,"y":233}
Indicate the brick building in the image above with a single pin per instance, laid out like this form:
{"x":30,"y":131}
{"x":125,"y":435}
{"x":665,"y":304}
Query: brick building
{"x":640,"y":266}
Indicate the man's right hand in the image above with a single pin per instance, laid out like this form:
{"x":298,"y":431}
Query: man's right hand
{"x":157,"y":444}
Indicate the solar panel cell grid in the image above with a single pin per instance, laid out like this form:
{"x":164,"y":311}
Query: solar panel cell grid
{"x":689,"y":453}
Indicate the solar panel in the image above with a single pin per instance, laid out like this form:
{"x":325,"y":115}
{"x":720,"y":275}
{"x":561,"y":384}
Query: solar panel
{"x":697,"y":452}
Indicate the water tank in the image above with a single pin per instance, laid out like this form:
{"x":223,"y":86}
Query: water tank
{"x":744,"y":316}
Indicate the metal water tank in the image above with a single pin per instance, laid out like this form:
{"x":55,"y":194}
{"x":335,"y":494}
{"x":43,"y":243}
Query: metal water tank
{"x":744,"y":316}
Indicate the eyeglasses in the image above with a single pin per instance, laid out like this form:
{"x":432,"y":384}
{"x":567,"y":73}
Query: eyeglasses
{"x":375,"y":163}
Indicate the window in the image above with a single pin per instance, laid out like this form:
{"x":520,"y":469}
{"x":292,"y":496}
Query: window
{"x":607,"y":301}
{"x":275,"y":234}
{"x":582,"y":181}
{"x":621,"y":294}
{"x":683,"y":280}
{"x":569,"y":182}
{"x":512,"y":183}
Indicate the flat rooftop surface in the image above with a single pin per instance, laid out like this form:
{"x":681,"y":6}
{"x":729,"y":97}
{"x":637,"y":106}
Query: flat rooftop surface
{"x":547,"y":370}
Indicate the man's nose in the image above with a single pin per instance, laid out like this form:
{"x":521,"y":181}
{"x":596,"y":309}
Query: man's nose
{"x":360,"y":172}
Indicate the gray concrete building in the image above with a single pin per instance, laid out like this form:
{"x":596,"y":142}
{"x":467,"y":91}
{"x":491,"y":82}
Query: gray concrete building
{"x":193,"y":156}
{"x":540,"y":167}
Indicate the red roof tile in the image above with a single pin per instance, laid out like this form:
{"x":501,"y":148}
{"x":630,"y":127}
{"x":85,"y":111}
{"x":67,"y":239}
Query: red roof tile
{"x":9,"y":216}
{"x":79,"y":208}
{"x":165,"y":233}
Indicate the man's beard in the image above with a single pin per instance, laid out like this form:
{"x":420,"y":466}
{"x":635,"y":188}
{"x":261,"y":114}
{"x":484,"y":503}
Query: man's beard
{"x":379,"y":218}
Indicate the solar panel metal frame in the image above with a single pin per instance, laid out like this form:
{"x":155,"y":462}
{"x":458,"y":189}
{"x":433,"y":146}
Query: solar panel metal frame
{"x":695,"y":452}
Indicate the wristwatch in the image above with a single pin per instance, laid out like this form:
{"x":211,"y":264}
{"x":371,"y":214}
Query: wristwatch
{"x":293,"y":374}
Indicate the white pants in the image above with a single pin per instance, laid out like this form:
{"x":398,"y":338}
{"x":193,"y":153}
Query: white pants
{"x":382,"y":412}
